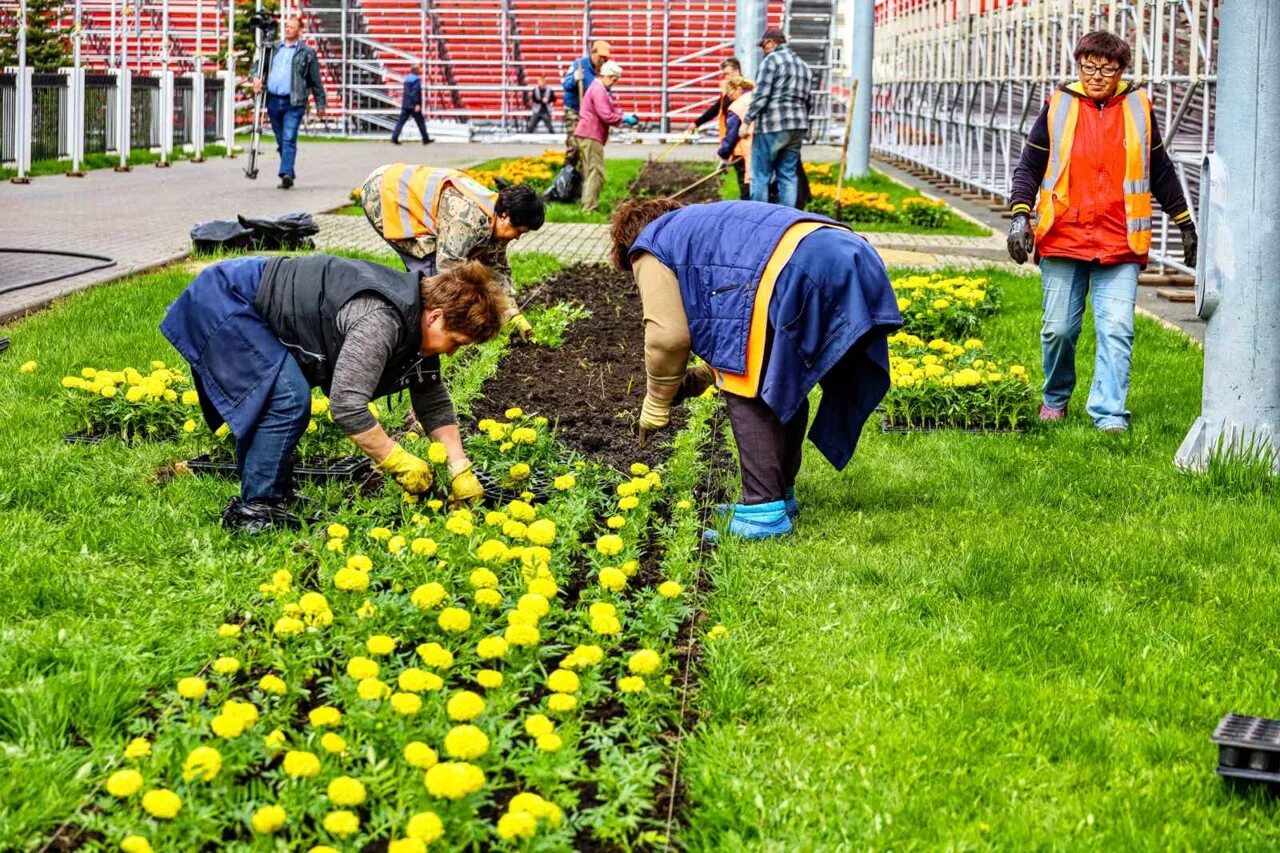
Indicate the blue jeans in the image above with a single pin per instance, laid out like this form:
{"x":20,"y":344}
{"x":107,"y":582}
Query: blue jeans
{"x":1114,"y":290}
{"x":776,"y":154}
{"x":264,"y":454}
{"x":285,"y":121}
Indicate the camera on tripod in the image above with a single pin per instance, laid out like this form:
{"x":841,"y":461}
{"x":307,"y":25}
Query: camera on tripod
{"x":267,"y":22}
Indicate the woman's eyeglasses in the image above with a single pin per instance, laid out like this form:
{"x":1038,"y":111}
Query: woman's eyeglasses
{"x":1088,"y":69}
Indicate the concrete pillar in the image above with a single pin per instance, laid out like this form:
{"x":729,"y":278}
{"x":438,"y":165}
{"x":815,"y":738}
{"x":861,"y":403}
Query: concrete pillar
{"x":863,"y":40}
{"x":1240,"y":248}
{"x":749,"y":26}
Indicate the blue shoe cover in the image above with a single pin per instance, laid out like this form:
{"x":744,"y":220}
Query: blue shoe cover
{"x":757,"y":521}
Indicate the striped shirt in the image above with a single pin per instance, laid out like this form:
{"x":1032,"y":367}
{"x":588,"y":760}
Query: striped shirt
{"x":781,"y":97}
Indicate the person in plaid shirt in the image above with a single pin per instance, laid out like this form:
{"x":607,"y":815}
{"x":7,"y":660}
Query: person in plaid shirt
{"x":780,"y":110}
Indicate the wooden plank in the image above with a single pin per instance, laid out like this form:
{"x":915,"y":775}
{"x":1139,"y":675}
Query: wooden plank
{"x":1177,"y":294}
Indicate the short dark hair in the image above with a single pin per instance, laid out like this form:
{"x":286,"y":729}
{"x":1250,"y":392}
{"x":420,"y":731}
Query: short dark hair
{"x":632,"y":217}
{"x":1107,"y":45}
{"x":522,"y":206}
{"x":731,"y":62}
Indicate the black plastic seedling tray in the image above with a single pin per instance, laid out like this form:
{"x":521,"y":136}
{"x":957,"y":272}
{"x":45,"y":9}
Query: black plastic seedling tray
{"x":1249,"y":751}
{"x":4,"y":344}
{"x":888,"y":426}
{"x":495,"y":493}
{"x":85,"y":438}
{"x":355,"y":469}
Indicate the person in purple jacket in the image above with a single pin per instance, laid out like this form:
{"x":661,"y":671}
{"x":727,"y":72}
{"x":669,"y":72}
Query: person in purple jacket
{"x":598,"y":115}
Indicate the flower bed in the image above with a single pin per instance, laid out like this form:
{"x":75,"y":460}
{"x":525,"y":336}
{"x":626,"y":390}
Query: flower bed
{"x":537,"y":172}
{"x":129,"y":403}
{"x":860,"y":205}
{"x":944,"y":306}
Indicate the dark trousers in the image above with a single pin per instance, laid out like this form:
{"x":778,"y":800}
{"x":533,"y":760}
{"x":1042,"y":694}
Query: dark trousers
{"x":264,"y":454}
{"x":541,"y":115}
{"x":407,"y":113}
{"x":285,"y":120}
{"x":744,"y":188}
{"x":769,"y":451}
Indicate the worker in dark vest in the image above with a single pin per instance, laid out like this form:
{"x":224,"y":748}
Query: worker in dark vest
{"x":774,"y":301}
{"x":260,"y":333}
{"x":542,"y":97}
{"x":411,"y":106}
{"x":438,"y":218}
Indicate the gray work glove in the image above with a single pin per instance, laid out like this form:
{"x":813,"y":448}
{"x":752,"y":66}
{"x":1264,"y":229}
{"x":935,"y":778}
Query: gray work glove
{"x":1022,"y":243}
{"x":1190,"y":244}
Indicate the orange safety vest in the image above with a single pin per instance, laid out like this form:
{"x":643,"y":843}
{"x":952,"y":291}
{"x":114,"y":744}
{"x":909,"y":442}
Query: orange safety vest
{"x":1064,"y":111}
{"x":411,"y":196}
{"x":739,"y":108}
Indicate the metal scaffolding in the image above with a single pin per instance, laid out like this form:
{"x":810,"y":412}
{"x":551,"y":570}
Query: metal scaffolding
{"x":959,"y":83}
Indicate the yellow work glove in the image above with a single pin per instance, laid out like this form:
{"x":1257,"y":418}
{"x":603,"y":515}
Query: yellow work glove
{"x":523,"y":329}
{"x":464,"y":485}
{"x":655,"y":414}
{"x":412,"y":473}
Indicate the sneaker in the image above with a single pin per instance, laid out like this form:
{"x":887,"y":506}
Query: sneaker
{"x":257,"y":516}
{"x":757,"y":521}
{"x":428,"y":141}
{"x":395,"y":142}
{"x":285,"y":182}
{"x":1050,"y":414}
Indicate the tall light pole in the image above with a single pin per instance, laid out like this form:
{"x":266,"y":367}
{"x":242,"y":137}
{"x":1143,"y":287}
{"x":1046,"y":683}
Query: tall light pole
{"x":748,"y":29}
{"x":1240,"y":250}
{"x":864,"y":25}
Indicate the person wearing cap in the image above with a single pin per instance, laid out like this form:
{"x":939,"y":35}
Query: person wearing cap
{"x":598,"y":115}
{"x":780,"y":112}
{"x":582,"y":73}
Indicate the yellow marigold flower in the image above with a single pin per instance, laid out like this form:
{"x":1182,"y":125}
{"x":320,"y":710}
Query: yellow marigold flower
{"x":523,"y":435}
{"x":459,"y":525}
{"x":512,"y":413}
{"x":644,"y":662}
{"x":274,"y":741}
{"x":482,"y":578}
{"x":435,"y":504}
{"x":135,"y":844}
{"x":406,"y":704}
{"x":628,"y":503}
{"x":670,"y":589}
{"x":124,"y":783}
{"x":541,"y":532}
{"x":346,"y":791}
{"x":407,"y":845}
{"x":602,"y":608}
{"x":226,"y":726}
{"x":517,"y":825}
{"x":491,"y":549}
{"x":28,"y":367}
{"x":272,"y":684}
{"x":423,"y":547}
{"x":396,"y":544}
{"x":615,"y":522}
{"x":606,"y":626}
{"x":522,"y":635}
{"x":325,"y":715}
{"x":488,"y":598}
{"x":464,"y":706}
{"x":435,"y":655}
{"x":454,"y":620}
{"x":107,"y":391}
{"x":299,"y":764}
{"x":626,"y":489}
{"x":359,"y":562}
{"x":544,"y":586}
{"x":323,"y":848}
{"x":609,"y":545}
{"x":491,"y":648}
{"x":191,"y":687}
{"x":564,"y":482}
{"x":522,"y":511}
{"x":246,"y":712}
{"x":425,"y":826}
{"x":203,"y":762}
{"x":563,"y":681}
{"x":333,"y":743}
{"x":630,"y":567}
{"x":268,"y":819}
{"x":583,"y":656}
{"x":414,"y":680}
{"x":337,"y":531}
{"x":466,"y":742}
{"x":342,"y":822}
{"x":287,"y":626}
{"x":639,"y":469}
{"x":379,"y":534}
{"x":537,"y":725}
{"x":519,"y":471}
{"x":436,"y":453}
{"x":161,"y":803}
{"x":534,"y":603}
{"x":453,"y":780}
{"x":139,"y":747}
{"x":514,"y":529}
{"x":351,"y":580}
{"x":372,"y":689}
{"x":428,"y":595}
{"x":631,"y":684}
{"x":366,"y":610}
{"x":418,"y":754}
{"x":613,"y":579}
{"x":684,"y":505}
{"x":226,"y":666}
{"x":489,"y":679}
{"x":360,"y":667}
{"x":550,"y":742}
{"x":562,"y":702}
{"x":380,"y":644}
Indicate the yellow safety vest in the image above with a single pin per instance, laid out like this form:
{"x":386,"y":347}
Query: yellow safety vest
{"x":411,"y":196}
{"x":1064,"y":111}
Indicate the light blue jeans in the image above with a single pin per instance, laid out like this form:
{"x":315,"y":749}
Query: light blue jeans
{"x":1113,"y":290}
{"x":776,"y":154}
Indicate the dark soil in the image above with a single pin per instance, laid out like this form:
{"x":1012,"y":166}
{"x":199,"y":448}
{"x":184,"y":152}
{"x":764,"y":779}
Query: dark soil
{"x":593,"y":384}
{"x":662,"y":179}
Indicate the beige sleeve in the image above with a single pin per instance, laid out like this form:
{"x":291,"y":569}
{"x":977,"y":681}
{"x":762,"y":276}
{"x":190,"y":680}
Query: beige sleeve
{"x":666,"y":329}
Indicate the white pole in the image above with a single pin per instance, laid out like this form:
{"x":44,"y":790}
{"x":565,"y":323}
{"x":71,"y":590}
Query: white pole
{"x":864,"y":20}
{"x":229,"y":85}
{"x":197,"y":90}
{"x":75,"y":102}
{"x":124,"y":94}
{"x":22,"y":127}
{"x":166,"y":89}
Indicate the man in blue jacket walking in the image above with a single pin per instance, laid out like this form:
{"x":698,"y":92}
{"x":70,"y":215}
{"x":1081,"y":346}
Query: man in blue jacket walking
{"x":581,"y":74}
{"x":294,"y":78}
{"x":411,"y":105}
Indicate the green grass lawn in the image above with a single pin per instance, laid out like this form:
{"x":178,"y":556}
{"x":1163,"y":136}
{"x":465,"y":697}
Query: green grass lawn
{"x":1011,"y":641}
{"x":137,"y":157}
{"x":112,"y":574}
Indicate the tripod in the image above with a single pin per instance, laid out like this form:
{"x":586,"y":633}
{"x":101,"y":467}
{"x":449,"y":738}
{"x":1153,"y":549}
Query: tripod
{"x":263,"y":63}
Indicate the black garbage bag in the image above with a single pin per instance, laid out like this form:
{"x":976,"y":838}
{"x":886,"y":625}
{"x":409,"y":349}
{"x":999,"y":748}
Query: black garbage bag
{"x":220,"y":234}
{"x":291,"y":231}
{"x":567,"y":185}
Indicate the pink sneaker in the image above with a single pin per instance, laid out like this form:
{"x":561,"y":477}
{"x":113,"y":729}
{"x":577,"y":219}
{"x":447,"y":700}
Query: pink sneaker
{"x":1050,"y":414}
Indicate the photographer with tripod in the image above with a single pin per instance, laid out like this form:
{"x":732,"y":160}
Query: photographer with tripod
{"x":292,"y":75}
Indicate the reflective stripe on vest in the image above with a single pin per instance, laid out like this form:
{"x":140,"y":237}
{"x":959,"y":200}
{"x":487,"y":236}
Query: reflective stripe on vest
{"x":1064,"y":112}
{"x":411,"y":197}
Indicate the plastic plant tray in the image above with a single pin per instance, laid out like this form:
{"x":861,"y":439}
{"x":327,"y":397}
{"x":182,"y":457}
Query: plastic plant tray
{"x":342,"y":468}
{"x":86,"y":437}
{"x":4,"y":344}
{"x":495,"y":493}
{"x":889,"y":426}
{"x":1249,"y":749}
